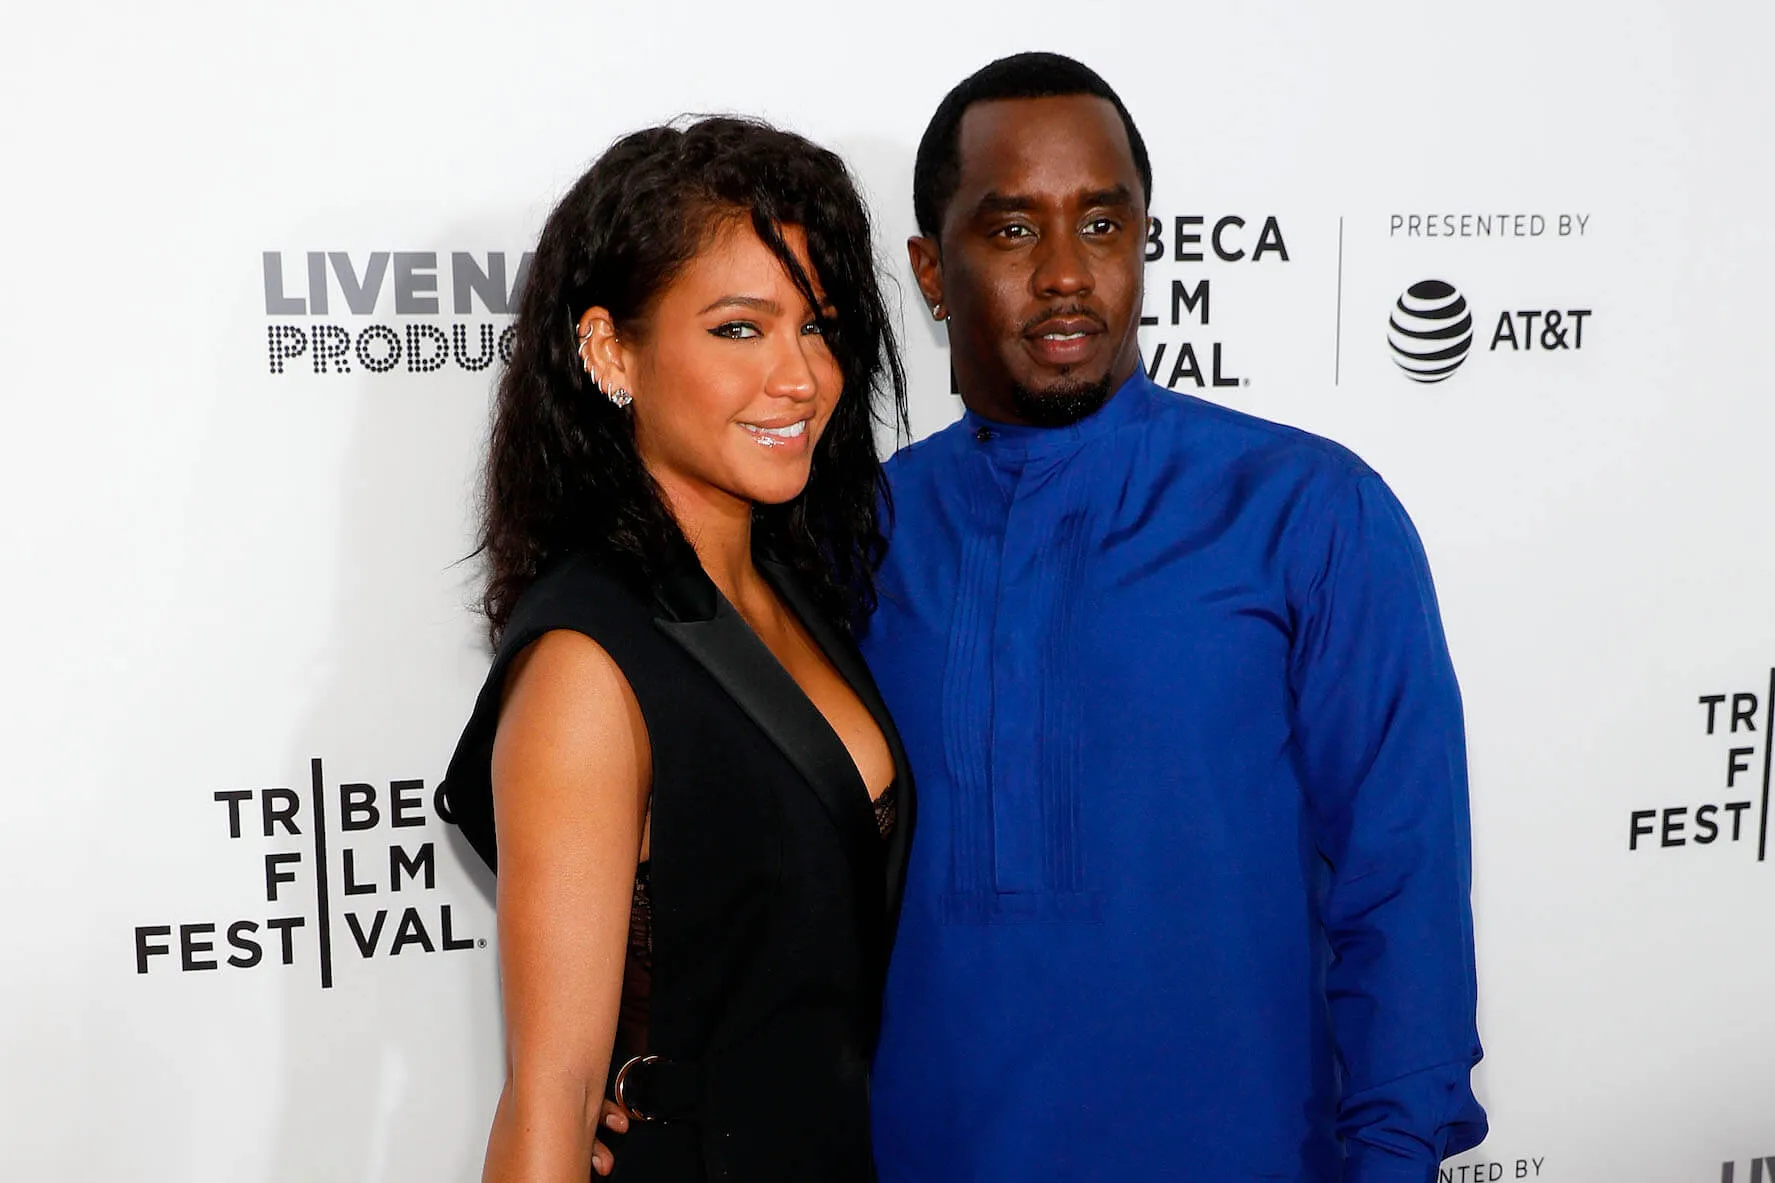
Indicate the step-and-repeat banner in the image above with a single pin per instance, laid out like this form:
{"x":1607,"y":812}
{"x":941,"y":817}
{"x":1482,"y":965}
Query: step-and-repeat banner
{"x":261,"y":266}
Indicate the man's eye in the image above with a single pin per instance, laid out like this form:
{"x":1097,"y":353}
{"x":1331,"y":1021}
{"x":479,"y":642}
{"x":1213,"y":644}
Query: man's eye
{"x":1015,"y":230}
{"x":736,"y":330}
{"x":1101,"y":226}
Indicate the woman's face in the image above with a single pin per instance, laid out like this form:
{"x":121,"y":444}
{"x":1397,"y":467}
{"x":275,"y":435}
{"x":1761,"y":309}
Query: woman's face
{"x":733,"y":384}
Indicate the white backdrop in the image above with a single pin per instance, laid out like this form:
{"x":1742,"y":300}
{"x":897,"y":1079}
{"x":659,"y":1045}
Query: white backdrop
{"x":218,"y":573}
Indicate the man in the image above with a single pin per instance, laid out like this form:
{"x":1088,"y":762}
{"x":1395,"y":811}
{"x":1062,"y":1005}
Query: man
{"x":1189,"y":893}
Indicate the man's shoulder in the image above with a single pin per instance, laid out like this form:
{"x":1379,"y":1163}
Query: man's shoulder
{"x":1169,"y":419}
{"x":1243,"y":440}
{"x":925,"y":455}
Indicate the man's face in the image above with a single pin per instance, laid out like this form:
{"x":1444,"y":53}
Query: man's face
{"x":1039,"y":259}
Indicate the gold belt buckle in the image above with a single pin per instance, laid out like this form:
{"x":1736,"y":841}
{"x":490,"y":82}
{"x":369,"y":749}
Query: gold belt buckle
{"x":622,"y":1079}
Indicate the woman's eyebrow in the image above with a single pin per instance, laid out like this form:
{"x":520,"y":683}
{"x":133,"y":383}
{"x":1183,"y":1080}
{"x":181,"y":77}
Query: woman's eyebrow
{"x":756,"y":303}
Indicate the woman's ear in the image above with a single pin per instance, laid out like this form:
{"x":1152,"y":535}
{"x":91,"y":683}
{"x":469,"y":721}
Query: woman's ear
{"x":603,"y":354}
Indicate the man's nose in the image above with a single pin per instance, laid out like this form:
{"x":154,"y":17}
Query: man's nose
{"x":1061,"y":267}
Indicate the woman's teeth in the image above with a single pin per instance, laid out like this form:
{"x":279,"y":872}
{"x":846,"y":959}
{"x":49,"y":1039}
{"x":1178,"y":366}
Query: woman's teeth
{"x":773,"y":436}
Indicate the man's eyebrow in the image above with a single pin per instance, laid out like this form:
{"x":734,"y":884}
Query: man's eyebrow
{"x":1004,"y":203}
{"x":1114,"y":195}
{"x":1016,"y":203}
{"x":756,"y":303}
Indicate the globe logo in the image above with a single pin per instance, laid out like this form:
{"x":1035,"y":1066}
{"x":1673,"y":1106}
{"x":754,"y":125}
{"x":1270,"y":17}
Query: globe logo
{"x":1430,"y":331}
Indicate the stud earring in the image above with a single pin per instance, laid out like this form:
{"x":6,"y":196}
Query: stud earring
{"x":621,"y":397}
{"x":937,"y":311}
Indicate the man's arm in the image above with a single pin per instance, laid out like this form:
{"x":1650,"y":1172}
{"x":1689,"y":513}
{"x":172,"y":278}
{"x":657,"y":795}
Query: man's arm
{"x":1380,"y":737}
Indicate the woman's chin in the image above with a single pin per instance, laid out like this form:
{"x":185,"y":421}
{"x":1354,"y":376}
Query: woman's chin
{"x":772,"y":483}
{"x":776,"y":492}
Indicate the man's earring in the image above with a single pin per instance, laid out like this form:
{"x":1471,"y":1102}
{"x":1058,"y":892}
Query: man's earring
{"x":937,"y":311}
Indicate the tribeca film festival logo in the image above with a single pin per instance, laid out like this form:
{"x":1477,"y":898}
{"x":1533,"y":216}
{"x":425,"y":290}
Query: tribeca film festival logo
{"x":336,"y":293}
{"x":1430,"y":330}
{"x":1191,"y":238}
{"x":377,"y":859}
{"x":1734,"y":814}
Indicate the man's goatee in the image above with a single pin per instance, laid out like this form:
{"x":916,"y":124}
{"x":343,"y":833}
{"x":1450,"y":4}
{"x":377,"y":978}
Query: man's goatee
{"x":1060,"y":406}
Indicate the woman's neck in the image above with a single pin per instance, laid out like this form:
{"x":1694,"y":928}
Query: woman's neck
{"x":718,"y":527}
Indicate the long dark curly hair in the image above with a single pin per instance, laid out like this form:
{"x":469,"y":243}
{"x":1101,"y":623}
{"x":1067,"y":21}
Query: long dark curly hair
{"x":562,"y":470}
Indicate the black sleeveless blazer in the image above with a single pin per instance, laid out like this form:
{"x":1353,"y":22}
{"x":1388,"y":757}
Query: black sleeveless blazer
{"x":774,"y":896}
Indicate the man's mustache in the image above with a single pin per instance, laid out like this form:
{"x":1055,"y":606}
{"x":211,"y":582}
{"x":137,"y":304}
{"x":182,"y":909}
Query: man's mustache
{"x":1071,"y":311}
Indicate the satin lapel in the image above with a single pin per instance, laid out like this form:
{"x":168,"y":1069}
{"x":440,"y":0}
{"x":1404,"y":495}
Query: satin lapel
{"x":751,"y":675}
{"x":843,"y":654}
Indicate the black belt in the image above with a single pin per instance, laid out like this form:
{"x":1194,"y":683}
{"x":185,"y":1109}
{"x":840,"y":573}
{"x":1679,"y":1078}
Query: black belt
{"x":648,"y":1088}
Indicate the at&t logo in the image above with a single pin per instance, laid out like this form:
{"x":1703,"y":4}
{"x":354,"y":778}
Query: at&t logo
{"x":1430,"y":330}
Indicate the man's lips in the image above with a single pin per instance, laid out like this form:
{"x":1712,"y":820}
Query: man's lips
{"x":1063,"y":340}
{"x":1065,"y":326}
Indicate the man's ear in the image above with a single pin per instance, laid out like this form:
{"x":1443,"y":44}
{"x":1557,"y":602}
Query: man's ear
{"x":602,"y":352}
{"x":927,"y":269}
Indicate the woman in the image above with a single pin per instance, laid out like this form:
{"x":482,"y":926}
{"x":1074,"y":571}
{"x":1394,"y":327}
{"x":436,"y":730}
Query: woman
{"x":696,"y":804}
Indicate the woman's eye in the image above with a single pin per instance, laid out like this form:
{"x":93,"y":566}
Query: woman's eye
{"x":736,"y":330}
{"x":813,"y":329}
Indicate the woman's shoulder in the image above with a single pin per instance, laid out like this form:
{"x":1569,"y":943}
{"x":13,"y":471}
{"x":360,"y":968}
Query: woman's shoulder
{"x":603,"y":597}
{"x":609,"y":607}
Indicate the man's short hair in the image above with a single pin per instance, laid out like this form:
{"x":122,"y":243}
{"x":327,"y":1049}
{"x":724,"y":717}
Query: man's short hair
{"x":937,"y":171}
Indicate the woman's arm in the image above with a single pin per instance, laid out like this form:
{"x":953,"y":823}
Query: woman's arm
{"x":571,"y":770}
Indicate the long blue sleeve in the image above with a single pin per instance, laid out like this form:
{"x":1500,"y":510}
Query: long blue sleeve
{"x":1377,"y":718}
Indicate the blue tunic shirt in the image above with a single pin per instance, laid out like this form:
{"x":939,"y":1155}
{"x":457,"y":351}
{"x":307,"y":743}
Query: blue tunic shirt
{"x":1188,"y":896}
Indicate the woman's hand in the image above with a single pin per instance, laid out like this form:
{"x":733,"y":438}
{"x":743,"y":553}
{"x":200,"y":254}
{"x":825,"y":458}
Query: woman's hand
{"x":613,"y":1118}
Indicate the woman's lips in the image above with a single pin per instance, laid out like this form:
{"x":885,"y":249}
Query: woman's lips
{"x":787,"y":437}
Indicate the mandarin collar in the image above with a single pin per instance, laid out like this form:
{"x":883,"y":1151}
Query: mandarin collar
{"x":1122,"y":407}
